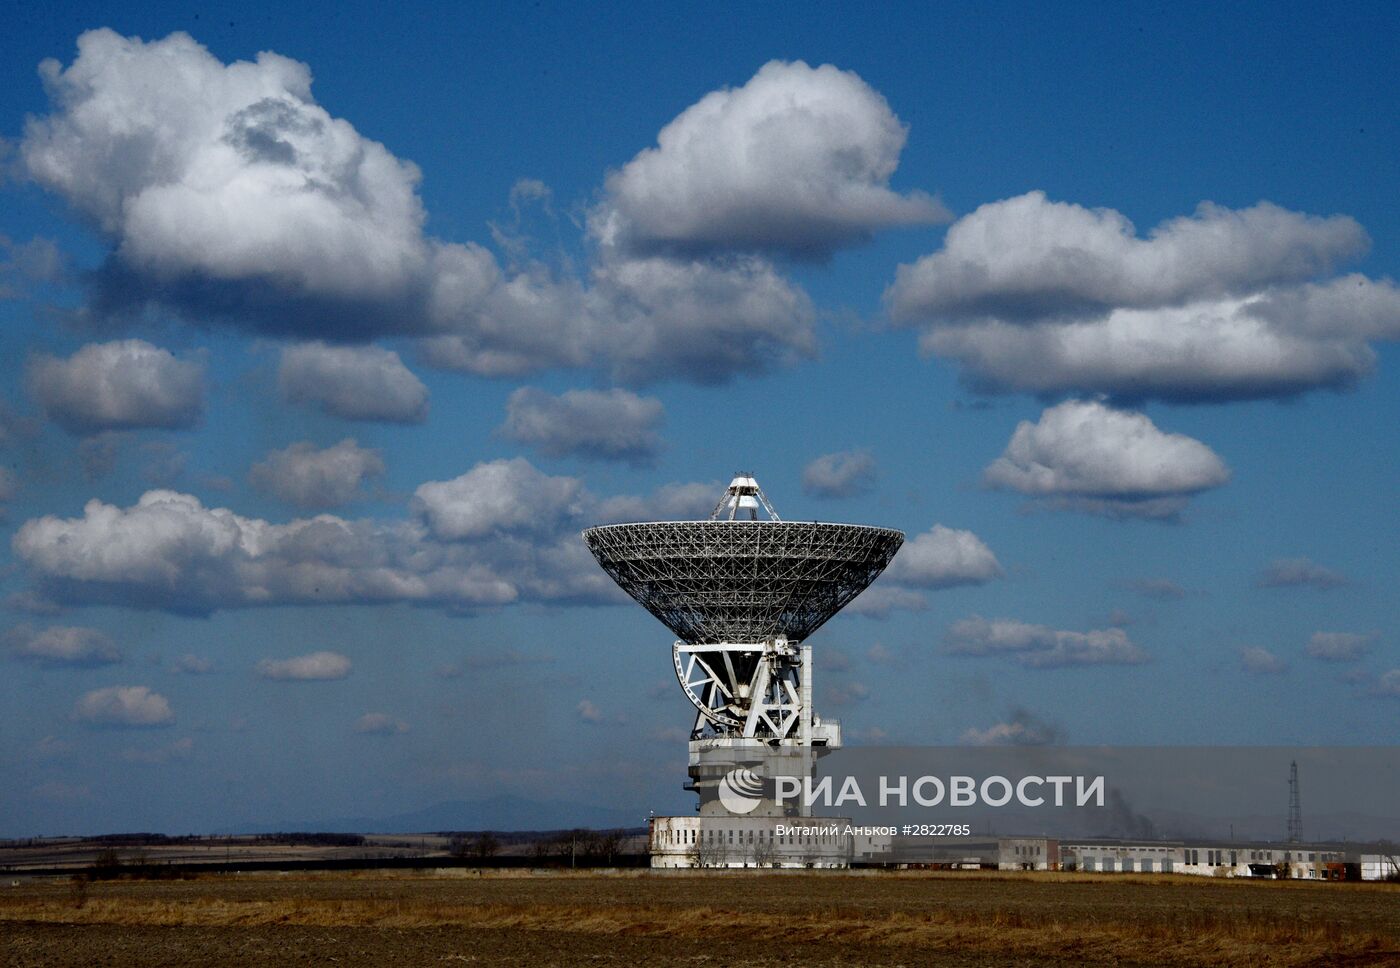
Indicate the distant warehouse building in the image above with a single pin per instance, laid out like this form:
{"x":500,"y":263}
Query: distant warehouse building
{"x":1204,"y":858}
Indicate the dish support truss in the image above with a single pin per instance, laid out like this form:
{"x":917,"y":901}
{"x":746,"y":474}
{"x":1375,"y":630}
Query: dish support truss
{"x":752,"y":691}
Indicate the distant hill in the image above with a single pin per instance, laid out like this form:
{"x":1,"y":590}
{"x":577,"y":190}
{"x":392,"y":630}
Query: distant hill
{"x":493,"y":813}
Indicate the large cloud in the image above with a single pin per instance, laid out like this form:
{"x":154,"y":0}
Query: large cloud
{"x":1041,"y":647}
{"x":123,"y":706}
{"x":120,"y":385}
{"x":229,"y":194}
{"x":502,"y":532}
{"x":317,"y":478}
{"x":226,"y":186}
{"x":352,"y":382}
{"x":797,"y":161}
{"x":1086,"y":456}
{"x":1029,"y":294}
{"x":168,"y":551}
{"x":594,"y":424}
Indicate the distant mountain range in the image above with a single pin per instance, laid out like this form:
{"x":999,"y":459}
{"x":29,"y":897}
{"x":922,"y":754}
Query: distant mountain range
{"x":493,"y":813}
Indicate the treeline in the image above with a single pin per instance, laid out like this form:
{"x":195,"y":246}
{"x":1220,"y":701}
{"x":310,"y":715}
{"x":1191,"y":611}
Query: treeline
{"x":578,"y":847}
{"x":311,"y":839}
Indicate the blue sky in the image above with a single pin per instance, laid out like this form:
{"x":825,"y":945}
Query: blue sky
{"x":376,"y":348}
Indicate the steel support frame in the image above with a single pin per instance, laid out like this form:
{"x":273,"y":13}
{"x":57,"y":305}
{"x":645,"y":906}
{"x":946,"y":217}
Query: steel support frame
{"x":749,"y":690}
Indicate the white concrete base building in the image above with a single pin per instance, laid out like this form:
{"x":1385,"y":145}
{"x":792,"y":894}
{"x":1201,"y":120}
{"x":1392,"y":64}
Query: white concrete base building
{"x":783,"y":842}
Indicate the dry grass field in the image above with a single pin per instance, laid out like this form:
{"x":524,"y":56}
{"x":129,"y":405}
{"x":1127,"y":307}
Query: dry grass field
{"x":734,"y":919}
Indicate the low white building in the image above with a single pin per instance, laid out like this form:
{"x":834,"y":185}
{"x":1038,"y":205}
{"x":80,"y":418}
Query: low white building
{"x":714,"y":841}
{"x":1206,"y":858}
{"x":1380,"y":867}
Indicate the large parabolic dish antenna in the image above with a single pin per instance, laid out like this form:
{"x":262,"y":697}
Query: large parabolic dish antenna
{"x":727,"y":579}
{"x":743,"y":594}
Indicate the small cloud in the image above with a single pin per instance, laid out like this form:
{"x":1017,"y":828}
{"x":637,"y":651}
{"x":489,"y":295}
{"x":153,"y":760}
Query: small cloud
{"x":161,"y":754}
{"x":1159,"y":589}
{"x":670,"y":735}
{"x":845,"y":694}
{"x":1339,"y":646}
{"x":308,"y":477}
{"x":589,"y":713}
{"x":365,"y":383}
{"x":1023,"y":728}
{"x":192,"y":665}
{"x":606,"y":425}
{"x":122,"y":706}
{"x":832,"y":659}
{"x":943,"y":558}
{"x":315,"y":666}
{"x":1296,"y":572}
{"x":57,"y":792}
{"x":1388,"y":684}
{"x":1261,"y":662}
{"x":61,"y":645}
{"x":847,"y":473}
{"x":502,"y":658}
{"x":880,"y":600}
{"x":52,"y":748}
{"x":880,"y":655}
{"x":1041,"y":647}
{"x":380,"y":724}
{"x":121,"y":385}
{"x":98,"y":453}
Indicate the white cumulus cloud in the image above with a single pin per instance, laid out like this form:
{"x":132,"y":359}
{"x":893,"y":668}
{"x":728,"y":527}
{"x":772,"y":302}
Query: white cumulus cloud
{"x":943,"y":557}
{"x":352,"y":382}
{"x":500,"y":533}
{"x":1041,"y":647}
{"x":62,"y":645}
{"x":309,"y":477}
{"x":846,"y":473}
{"x":1045,"y":297}
{"x":227,"y":193}
{"x":124,"y":706}
{"x":380,"y":724}
{"x":1022,"y":729}
{"x":1087,"y":456}
{"x":1339,"y":646}
{"x":595,"y":424}
{"x":120,"y":385}
{"x":1300,"y":572}
{"x":313,"y":666}
{"x":797,"y":161}
{"x":1261,"y":661}
{"x":502,"y":495}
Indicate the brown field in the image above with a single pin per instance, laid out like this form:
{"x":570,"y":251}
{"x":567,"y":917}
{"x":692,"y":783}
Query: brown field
{"x":734,"y":919}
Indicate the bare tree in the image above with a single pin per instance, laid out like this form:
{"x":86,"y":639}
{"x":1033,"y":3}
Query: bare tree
{"x":763,"y":852}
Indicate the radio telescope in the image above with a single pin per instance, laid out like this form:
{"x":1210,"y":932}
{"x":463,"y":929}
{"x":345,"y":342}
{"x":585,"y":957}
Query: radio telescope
{"x":743,"y":593}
